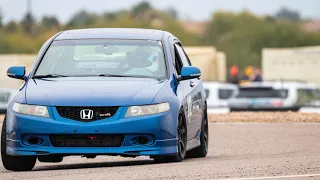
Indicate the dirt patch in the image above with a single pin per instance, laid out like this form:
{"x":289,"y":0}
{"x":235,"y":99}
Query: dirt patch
{"x":266,"y":117}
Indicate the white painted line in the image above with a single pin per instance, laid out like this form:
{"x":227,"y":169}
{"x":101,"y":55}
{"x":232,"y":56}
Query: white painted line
{"x":264,"y":123}
{"x":275,"y":177}
{"x":309,"y":110}
{"x":218,"y":110}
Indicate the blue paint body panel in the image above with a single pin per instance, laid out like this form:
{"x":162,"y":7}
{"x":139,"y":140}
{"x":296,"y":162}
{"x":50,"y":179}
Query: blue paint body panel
{"x":103,"y":92}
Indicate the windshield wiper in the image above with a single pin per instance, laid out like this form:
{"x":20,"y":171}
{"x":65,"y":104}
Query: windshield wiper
{"x":49,"y":76}
{"x":115,"y":75}
{"x":119,"y":75}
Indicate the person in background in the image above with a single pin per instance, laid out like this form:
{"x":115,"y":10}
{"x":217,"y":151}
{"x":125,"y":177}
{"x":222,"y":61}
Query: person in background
{"x":249,"y":71}
{"x":233,"y":75}
{"x":248,"y":75}
{"x":258,"y":77}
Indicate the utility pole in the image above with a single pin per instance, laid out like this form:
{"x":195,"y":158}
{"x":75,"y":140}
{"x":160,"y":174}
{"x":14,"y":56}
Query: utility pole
{"x":29,"y":4}
{"x":28,"y":20}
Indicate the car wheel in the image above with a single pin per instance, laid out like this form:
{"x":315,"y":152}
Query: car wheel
{"x":14,"y":163}
{"x":202,"y":150}
{"x":182,"y":143}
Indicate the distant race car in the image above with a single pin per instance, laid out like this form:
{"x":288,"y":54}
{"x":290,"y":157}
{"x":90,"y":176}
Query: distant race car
{"x":298,"y":94}
{"x":275,"y":96}
{"x":5,"y":96}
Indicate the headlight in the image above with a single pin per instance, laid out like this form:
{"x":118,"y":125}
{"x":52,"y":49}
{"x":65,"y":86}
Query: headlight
{"x":30,"y":109}
{"x":147,"y":110}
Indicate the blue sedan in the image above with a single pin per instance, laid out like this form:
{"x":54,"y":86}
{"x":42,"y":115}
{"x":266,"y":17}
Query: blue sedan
{"x":127,"y":92}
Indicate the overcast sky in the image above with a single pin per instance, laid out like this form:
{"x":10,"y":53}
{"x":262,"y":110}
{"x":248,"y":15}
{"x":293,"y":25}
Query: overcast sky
{"x":188,"y":9}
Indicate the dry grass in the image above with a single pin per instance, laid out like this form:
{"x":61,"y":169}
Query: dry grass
{"x":266,"y":117}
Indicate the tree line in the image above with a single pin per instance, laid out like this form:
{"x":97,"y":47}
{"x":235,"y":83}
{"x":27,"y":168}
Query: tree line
{"x":240,"y":35}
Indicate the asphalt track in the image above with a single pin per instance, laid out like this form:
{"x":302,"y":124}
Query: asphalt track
{"x":226,"y":110}
{"x":237,"y":151}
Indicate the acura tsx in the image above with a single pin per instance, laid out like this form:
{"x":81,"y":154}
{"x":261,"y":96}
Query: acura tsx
{"x":127,"y":92}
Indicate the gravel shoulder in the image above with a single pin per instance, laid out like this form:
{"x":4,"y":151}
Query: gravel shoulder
{"x":265,"y":117}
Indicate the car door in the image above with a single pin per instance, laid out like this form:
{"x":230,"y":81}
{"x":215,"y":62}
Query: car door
{"x":192,"y":93}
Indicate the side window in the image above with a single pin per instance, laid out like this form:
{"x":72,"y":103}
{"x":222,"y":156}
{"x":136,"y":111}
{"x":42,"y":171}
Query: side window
{"x":44,"y":46}
{"x":225,"y":93}
{"x":178,"y":62}
{"x":304,"y":96}
{"x":183,"y":55}
{"x":42,"y":49}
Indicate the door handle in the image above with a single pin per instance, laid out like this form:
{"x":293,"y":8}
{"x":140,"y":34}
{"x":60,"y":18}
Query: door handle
{"x":191,"y":83}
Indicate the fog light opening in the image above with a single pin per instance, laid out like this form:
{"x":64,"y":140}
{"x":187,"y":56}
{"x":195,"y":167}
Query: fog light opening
{"x":142,"y":140}
{"x":34,"y":140}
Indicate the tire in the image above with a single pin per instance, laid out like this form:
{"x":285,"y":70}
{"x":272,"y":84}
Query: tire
{"x":202,"y":150}
{"x":182,"y":143}
{"x":14,"y":163}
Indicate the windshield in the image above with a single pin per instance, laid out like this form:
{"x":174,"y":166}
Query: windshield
{"x":225,"y":93}
{"x":261,"y":92}
{"x":308,"y":96}
{"x":94,"y":57}
{"x":4,"y":97}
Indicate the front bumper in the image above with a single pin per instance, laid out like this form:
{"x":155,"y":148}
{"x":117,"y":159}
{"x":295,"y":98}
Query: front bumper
{"x":161,"y":127}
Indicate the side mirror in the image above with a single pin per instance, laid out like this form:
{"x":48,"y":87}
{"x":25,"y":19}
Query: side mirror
{"x":17,"y":72}
{"x":190,"y":72}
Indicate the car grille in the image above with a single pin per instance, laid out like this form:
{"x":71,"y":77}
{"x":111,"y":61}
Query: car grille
{"x":99,"y":113}
{"x":85,"y":140}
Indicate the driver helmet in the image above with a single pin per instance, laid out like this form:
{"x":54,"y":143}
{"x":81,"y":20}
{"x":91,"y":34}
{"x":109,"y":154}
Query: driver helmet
{"x":153,"y":58}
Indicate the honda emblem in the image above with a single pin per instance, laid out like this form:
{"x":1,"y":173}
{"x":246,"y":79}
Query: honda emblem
{"x":86,"y":114}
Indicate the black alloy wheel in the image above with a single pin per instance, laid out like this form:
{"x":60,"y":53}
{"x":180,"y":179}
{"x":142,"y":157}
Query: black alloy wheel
{"x":202,"y":150}
{"x":182,"y":143}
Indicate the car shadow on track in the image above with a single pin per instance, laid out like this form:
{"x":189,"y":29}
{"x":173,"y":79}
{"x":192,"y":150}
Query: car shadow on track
{"x":46,"y":167}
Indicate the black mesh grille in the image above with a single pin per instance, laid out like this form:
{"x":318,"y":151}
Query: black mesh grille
{"x":85,"y":140}
{"x":99,"y":113}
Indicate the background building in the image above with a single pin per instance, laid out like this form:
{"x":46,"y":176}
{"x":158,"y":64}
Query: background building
{"x":292,"y":64}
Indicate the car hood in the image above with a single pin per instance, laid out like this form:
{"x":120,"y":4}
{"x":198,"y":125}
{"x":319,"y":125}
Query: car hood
{"x":99,"y":91}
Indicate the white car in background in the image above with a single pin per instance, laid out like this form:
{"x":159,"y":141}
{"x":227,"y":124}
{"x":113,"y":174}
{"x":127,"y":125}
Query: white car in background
{"x":298,"y":94}
{"x":5,"y":95}
{"x":217,"y":95}
{"x":276,"y":96}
